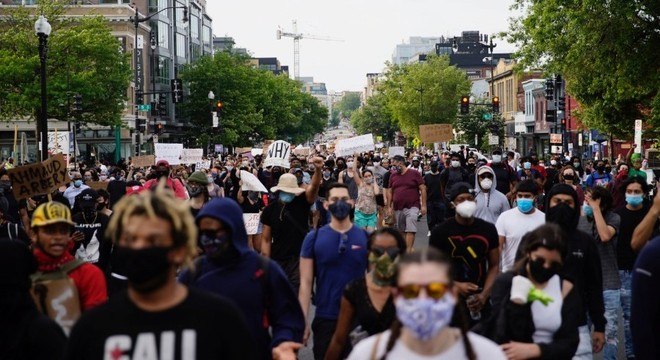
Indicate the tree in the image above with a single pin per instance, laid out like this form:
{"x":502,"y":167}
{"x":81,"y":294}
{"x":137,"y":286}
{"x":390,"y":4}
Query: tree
{"x":376,"y":118}
{"x":476,"y":124}
{"x":349,"y":102}
{"x":83,"y":57}
{"x":606,"y":51}
{"x":424,"y":93}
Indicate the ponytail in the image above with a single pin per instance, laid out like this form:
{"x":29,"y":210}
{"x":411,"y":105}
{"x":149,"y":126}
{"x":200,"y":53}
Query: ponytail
{"x":462,"y":323}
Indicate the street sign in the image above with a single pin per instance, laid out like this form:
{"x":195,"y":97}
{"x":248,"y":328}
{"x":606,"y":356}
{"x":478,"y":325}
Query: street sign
{"x":488,"y":116}
{"x":638,"y":136}
{"x":556,"y":149}
{"x":144,"y":107}
{"x":493,"y":139}
{"x":177,"y":90}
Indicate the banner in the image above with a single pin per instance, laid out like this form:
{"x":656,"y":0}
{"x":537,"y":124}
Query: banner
{"x":435,"y":133}
{"x":278,"y":154}
{"x":358,"y":144}
{"x":397,"y":150}
{"x":251,"y":183}
{"x":143,"y":161}
{"x":191,"y":156}
{"x":252,"y":222}
{"x":168,"y":152}
{"x":39,"y":179}
{"x":204,"y":164}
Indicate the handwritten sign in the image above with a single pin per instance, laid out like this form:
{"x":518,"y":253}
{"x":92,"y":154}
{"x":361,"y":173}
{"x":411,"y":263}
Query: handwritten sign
{"x":435,"y":133}
{"x":98,"y":185}
{"x":358,"y":144}
{"x":301,"y":151}
{"x":39,"y":179}
{"x":58,"y":142}
{"x":252,"y":223}
{"x":278,"y":154}
{"x":242,"y":150}
{"x":397,"y":150}
{"x":144,"y":161}
{"x":204,"y":164}
{"x":191,"y":156}
{"x":168,"y":152}
{"x":251,"y":183}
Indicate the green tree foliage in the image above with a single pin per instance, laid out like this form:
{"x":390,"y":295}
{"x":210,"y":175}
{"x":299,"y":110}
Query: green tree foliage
{"x":606,"y":50}
{"x":349,"y":103}
{"x":334,"y":119}
{"x":474,"y":123}
{"x":376,"y":118}
{"x":83,"y":57}
{"x":424,"y":93}
{"x":257,"y":105}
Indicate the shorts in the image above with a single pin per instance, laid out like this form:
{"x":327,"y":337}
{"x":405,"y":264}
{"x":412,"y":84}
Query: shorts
{"x":406,"y":220}
{"x":365,"y":220}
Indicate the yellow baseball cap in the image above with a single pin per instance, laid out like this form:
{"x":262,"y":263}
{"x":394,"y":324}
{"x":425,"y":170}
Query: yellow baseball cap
{"x":51,"y":213}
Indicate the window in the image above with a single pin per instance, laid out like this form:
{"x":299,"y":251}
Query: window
{"x":196,"y":52}
{"x":179,"y":15}
{"x":206,"y":35}
{"x":153,"y":6}
{"x":163,"y":35}
{"x":162,"y":4}
{"x":181,"y":45}
{"x":194,"y":27}
{"x":164,"y":73}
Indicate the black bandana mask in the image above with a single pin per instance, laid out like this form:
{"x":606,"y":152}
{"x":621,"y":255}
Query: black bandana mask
{"x":564,"y":216}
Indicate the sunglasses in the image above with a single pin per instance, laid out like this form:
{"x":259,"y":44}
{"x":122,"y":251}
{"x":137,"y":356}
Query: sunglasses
{"x":434,"y":290}
{"x":392,"y":252}
{"x":343,"y":243}
{"x":486,"y":176}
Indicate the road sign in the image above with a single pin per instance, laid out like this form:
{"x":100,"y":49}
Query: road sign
{"x":493,"y":139}
{"x":488,"y":116}
{"x":144,"y":107}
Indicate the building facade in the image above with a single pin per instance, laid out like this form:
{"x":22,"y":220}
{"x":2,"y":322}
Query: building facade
{"x":271,"y":64}
{"x":416,"y":45}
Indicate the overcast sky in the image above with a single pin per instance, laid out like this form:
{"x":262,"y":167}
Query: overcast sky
{"x":370,"y":30}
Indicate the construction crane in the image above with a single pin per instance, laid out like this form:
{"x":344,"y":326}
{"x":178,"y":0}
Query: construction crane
{"x":296,"y":36}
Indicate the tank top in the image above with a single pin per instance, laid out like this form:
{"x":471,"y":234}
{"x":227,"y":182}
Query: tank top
{"x":366,"y":200}
{"x":547,"y":319}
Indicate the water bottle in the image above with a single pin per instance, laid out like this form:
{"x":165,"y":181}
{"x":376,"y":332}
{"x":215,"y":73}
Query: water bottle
{"x":475,"y":315}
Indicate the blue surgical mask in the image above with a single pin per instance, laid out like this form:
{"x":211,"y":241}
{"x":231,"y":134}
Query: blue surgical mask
{"x":525,"y":205}
{"x":77,"y":183}
{"x":527,"y":165}
{"x":588,"y":210}
{"x":286,"y":197}
{"x":634,"y":200}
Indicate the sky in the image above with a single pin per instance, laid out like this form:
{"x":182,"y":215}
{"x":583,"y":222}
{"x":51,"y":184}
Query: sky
{"x":369,"y":30}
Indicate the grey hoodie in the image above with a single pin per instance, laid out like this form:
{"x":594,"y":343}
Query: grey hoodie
{"x":489,"y":204}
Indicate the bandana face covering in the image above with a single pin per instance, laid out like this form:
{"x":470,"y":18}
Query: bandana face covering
{"x":425,"y":317}
{"x":384,"y":268}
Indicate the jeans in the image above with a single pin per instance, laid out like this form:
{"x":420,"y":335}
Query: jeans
{"x":612,"y":299}
{"x":322,"y":330}
{"x":626,"y":282}
{"x":435,"y":213}
{"x":584,"y":347}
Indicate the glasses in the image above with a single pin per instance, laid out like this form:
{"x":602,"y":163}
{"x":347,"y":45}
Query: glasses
{"x":343,"y":243}
{"x":434,"y":290}
{"x":392,"y":252}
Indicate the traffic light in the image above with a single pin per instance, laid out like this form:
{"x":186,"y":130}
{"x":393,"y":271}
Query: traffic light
{"x":162,"y":105}
{"x":218,"y":107}
{"x":494,"y":127}
{"x":496,"y":104}
{"x":154,"y":108}
{"x":465,"y":105}
{"x":77,"y":103}
{"x":159,"y":129}
{"x":140,"y":125}
{"x":177,"y":90}
{"x":76,"y":127}
{"x":139,"y":97}
{"x":550,"y":116}
{"x":549,"y":89}
{"x":561,"y":104}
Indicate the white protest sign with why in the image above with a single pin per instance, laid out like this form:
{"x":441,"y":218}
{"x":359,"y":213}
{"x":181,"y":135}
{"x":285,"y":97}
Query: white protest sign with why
{"x":168,"y":152}
{"x":358,"y":144}
{"x":252,"y":223}
{"x":251,"y":183}
{"x":278,"y":154}
{"x":191,"y":156}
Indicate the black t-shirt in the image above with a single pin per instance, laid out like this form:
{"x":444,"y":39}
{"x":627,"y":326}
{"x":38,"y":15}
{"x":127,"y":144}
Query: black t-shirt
{"x":386,"y":180}
{"x":451,"y":176}
{"x":250,"y":208}
{"x":203,"y":326}
{"x":116,"y":189}
{"x":467,"y":246}
{"x":372,"y":321}
{"x":289,"y":224}
{"x":433,"y":187}
{"x":625,"y":256}
{"x":505,"y":176}
{"x":95,"y":248}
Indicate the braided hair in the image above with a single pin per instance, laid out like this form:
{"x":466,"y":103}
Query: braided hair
{"x":459,"y":318}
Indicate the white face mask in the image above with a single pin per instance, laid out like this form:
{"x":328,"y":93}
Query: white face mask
{"x":466,"y":209}
{"x":486,"y":184}
{"x":349,"y":164}
{"x":497,"y":159}
{"x":455,"y":163}
{"x":553,"y":162}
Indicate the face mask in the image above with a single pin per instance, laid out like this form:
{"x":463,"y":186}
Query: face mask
{"x":286,"y":197}
{"x":195,"y":190}
{"x":88,"y":178}
{"x":425,"y":317}
{"x":608,"y":169}
{"x":350,"y":164}
{"x":564,"y":216}
{"x":576,"y":164}
{"x":471,"y":165}
{"x":77,"y":183}
{"x":588,"y":210}
{"x":213,"y":245}
{"x":100,"y":206}
{"x":369,"y":181}
{"x":539,"y":272}
{"x":634,"y":200}
{"x":525,"y":205}
{"x":497,"y":159}
{"x":229,"y":167}
{"x":466,"y":209}
{"x":341,"y":165}
{"x":376,"y":163}
{"x":553,"y":162}
{"x":146,"y":269}
{"x":486,"y":184}
{"x":161,"y":174}
{"x":103,"y":177}
{"x":245,"y":163}
{"x":527,"y":165}
{"x":455,"y":163}
{"x":600,"y":168}
{"x":326,"y":174}
{"x":384,"y":268}
{"x":340,"y":209}
{"x":210,"y":179}
{"x":569,"y":177}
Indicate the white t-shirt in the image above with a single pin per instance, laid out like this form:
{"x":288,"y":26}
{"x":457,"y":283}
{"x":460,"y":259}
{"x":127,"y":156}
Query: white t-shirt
{"x":513,"y":225}
{"x":482,"y":347}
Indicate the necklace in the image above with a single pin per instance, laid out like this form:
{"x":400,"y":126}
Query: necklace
{"x":96,"y":214}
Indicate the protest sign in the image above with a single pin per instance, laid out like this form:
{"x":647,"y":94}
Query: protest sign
{"x":191,"y":156}
{"x":251,"y":183}
{"x":301,"y":151}
{"x":264,"y":149}
{"x":143,"y":161}
{"x":435,"y":133}
{"x":219,"y":148}
{"x":58,"y":142}
{"x":204,"y":164}
{"x":242,"y":150}
{"x":40,"y":178}
{"x":278,"y":154}
{"x":247,"y":154}
{"x":397,"y":150}
{"x":168,"y":152}
{"x":252,"y":223}
{"x":98,"y":185}
{"x":358,"y":144}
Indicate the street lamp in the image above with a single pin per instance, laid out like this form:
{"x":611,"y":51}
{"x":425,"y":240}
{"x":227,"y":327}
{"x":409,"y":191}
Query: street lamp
{"x":42,"y":28}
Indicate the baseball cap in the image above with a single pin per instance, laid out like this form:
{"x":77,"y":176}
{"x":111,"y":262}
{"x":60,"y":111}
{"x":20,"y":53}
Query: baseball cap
{"x":51,"y":213}
{"x":88,"y":198}
{"x":460,"y":188}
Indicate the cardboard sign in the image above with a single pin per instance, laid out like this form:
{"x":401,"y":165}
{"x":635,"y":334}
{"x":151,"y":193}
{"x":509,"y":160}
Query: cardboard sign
{"x":302,"y":151}
{"x":191,"y":156}
{"x":252,"y":223}
{"x":168,"y":152}
{"x":205,"y":164}
{"x":358,"y":144}
{"x":435,"y":133}
{"x":247,"y":154}
{"x":242,"y":150}
{"x":397,"y":150}
{"x":555,"y":139}
{"x":98,"y":185}
{"x":144,"y":161}
{"x":39,"y":179}
{"x":278,"y":154}
{"x":58,"y":142}
{"x":251,"y":183}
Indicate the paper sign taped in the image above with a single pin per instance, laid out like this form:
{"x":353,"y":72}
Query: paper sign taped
{"x":252,"y":223}
{"x":191,"y":156}
{"x":39,"y":179}
{"x":143,"y":161}
{"x":251,"y":183}
{"x":278,"y":154}
{"x":358,"y":144}
{"x":168,"y":152}
{"x":435,"y":133}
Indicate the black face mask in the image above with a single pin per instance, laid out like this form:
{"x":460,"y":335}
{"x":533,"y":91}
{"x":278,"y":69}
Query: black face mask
{"x":569,"y":177}
{"x":539,"y":272}
{"x":100,"y":206}
{"x":146,"y":269}
{"x":564,"y":216}
{"x":340,"y":209}
{"x":219,"y":250}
